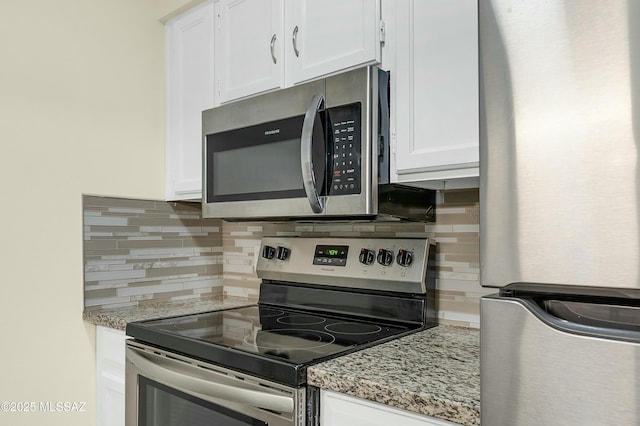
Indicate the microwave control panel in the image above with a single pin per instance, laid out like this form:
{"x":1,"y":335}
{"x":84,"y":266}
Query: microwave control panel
{"x":345,"y":133}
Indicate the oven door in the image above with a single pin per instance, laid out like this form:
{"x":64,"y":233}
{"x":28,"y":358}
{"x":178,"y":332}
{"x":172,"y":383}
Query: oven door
{"x":166,"y":389}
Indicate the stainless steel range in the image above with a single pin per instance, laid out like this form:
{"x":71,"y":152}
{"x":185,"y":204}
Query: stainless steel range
{"x":319,"y":298}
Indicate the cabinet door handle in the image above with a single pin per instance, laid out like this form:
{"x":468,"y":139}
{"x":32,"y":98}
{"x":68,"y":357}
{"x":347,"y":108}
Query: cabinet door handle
{"x":295,"y":41}
{"x":271,"y":46}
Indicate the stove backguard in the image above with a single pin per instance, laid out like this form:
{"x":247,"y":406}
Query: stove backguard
{"x":388,"y":265}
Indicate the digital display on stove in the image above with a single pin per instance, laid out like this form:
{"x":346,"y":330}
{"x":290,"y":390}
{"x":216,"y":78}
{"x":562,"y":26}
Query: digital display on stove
{"x":330,"y":255}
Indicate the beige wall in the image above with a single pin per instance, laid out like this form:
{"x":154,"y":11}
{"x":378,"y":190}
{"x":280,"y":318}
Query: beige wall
{"x":81,"y":111}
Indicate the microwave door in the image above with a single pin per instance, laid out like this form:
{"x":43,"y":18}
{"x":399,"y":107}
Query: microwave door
{"x":257,"y":172}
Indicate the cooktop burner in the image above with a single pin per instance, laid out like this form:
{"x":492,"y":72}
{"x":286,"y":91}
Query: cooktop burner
{"x":290,"y":340}
{"x":301,"y":319}
{"x":353,"y":328}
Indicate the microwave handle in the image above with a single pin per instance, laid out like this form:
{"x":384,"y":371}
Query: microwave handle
{"x":306,"y":153}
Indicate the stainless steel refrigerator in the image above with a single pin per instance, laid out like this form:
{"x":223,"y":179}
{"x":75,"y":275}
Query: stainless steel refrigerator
{"x":560,"y":212}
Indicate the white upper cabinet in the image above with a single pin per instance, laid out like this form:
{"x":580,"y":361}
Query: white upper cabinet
{"x":262,"y":45}
{"x":190,"y":90}
{"x":331,"y":35}
{"x":435,"y":99}
{"x":249,"y":47}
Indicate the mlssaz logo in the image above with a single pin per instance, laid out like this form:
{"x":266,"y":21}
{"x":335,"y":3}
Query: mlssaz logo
{"x":272,"y":132}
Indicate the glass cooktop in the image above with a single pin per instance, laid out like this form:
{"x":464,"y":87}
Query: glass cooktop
{"x":272,"y":342}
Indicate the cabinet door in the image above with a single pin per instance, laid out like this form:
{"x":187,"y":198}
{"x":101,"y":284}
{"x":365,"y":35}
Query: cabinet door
{"x":436,"y":89}
{"x":327,"y":36}
{"x":342,"y":410}
{"x":190,"y":90}
{"x":249,"y":48}
{"x":110,"y":366}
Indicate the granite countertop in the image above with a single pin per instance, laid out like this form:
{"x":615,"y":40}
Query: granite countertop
{"x":118,"y":318}
{"x":435,"y":372}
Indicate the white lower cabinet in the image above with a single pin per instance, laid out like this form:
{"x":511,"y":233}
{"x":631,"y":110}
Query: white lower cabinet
{"x":337,"y":409}
{"x":110,"y":365}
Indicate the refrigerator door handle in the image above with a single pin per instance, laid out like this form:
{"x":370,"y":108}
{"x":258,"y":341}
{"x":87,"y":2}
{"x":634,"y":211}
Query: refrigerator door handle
{"x":587,"y":319}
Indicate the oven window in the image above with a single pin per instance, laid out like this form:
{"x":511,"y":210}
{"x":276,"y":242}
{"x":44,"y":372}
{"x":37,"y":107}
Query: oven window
{"x":160,"y":405}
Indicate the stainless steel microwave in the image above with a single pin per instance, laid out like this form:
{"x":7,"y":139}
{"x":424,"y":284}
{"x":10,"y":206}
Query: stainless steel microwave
{"x":319,"y":150}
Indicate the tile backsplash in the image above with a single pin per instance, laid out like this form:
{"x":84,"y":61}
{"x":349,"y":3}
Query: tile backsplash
{"x":138,"y":251}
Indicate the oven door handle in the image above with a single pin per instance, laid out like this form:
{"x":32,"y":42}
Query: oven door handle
{"x":306,"y":153}
{"x":207,"y":389}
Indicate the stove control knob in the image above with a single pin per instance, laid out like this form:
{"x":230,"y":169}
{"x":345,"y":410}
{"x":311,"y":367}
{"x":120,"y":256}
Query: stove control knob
{"x":367,"y":256}
{"x":385,"y":257}
{"x":282,"y":253}
{"x":268,"y":252}
{"x":404,"y":257}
